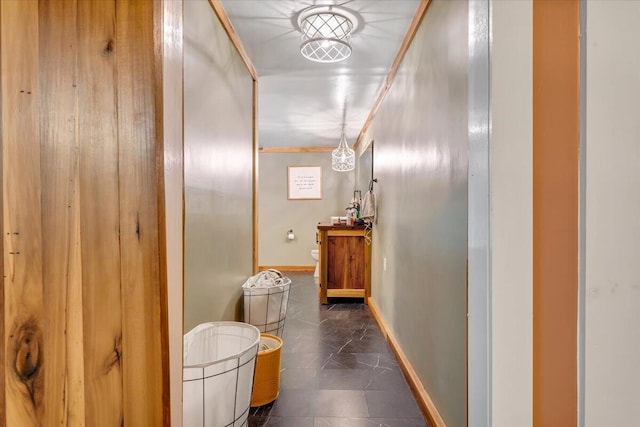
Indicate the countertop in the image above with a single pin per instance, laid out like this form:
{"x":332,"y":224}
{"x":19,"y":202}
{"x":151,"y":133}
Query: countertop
{"x":322,"y":226}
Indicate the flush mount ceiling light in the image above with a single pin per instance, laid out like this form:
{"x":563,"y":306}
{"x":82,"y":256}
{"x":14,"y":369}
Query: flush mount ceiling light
{"x":343,"y":158}
{"x":326,"y":33}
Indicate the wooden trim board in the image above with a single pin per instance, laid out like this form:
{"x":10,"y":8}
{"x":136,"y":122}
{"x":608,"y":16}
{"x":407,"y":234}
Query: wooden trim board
{"x":233,"y":36}
{"x":159,"y":97}
{"x":357,"y":232}
{"x":255,"y":178}
{"x":296,"y":149}
{"x":3,"y":415}
{"x":428,"y":408}
{"x":346,"y":293}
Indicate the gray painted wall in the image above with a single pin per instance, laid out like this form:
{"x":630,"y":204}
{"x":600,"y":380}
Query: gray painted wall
{"x":277,"y":214}
{"x":420,"y":160}
{"x":218,"y":117}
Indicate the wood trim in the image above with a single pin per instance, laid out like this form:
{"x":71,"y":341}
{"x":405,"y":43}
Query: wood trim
{"x":235,"y":39}
{"x":255,"y":179}
{"x":367,"y":267}
{"x":556,"y":124}
{"x":288,"y":267}
{"x":163,"y":281}
{"x":408,"y":38}
{"x":3,"y":364}
{"x":296,"y":149}
{"x":323,"y":251}
{"x":346,"y":293}
{"x":355,"y":232}
{"x":428,"y":408}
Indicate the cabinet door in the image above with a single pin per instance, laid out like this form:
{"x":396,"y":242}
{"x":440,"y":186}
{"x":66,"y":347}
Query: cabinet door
{"x":345,"y":262}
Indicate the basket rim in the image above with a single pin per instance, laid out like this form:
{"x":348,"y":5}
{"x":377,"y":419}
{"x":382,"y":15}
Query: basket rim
{"x":197,"y":328}
{"x":286,"y":282}
{"x":270,"y":350}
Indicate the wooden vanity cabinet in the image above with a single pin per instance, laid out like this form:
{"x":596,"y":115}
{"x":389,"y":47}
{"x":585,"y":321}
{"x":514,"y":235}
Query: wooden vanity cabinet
{"x":345,"y":262}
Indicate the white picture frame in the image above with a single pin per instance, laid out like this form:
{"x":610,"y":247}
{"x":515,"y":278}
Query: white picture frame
{"x":304,"y":183}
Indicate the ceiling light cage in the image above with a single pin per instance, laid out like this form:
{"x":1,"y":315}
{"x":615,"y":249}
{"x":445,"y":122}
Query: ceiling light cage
{"x":343,"y":158}
{"x":326,"y":34}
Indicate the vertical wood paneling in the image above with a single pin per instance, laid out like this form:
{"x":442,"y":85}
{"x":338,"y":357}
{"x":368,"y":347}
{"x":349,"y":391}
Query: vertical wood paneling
{"x":62,"y":273}
{"x":99,"y":212}
{"x":22,"y":209}
{"x":138,"y":214}
{"x":83,"y":301}
{"x":555,"y":211}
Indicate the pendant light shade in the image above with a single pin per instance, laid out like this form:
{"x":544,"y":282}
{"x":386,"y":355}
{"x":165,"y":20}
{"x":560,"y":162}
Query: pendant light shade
{"x":343,"y":158}
{"x":326,"y":33}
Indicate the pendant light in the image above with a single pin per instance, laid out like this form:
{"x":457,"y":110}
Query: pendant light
{"x":326,"y":33}
{"x":343,"y":158}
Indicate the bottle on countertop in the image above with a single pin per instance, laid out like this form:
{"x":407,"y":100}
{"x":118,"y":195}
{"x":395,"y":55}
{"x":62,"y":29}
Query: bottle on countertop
{"x":351,"y":216}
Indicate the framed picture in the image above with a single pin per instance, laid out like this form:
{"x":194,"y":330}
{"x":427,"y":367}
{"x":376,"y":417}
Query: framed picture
{"x":304,"y":182}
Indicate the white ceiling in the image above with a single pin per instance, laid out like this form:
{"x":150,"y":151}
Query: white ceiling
{"x":301,"y":103}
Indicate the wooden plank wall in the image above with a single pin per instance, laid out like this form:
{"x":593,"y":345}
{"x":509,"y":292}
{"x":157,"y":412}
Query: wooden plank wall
{"x":83,"y":323}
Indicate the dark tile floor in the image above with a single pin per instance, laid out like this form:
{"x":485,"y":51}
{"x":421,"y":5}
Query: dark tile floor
{"x":337,"y":370}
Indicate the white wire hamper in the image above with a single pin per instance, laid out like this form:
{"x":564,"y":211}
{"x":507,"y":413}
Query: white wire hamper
{"x":219,"y":362}
{"x":266,"y":296}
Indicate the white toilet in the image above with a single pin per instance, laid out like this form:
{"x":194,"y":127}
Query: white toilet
{"x":315,"y":254}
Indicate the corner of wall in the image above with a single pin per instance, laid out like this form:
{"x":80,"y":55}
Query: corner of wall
{"x":511,"y":198}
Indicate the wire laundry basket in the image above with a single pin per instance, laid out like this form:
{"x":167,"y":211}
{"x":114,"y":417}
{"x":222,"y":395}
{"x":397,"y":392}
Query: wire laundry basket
{"x":266,"y":297}
{"x":219,"y":362}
